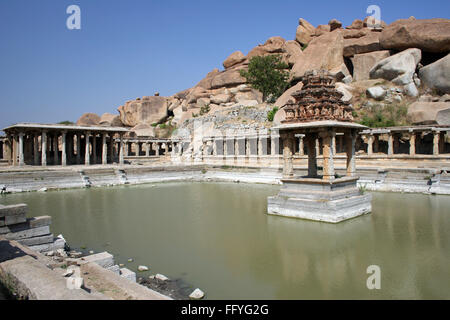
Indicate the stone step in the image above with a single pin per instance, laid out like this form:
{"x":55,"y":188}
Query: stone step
{"x":34,"y":241}
{"x":58,"y":243}
{"x":13,"y":210}
{"x":33,"y":232}
{"x":128,"y":274}
{"x":30,"y":223}
{"x":103,"y":259}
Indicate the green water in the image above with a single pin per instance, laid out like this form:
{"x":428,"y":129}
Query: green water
{"x":219,"y":238}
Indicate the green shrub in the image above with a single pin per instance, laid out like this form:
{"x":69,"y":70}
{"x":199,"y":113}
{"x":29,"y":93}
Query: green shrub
{"x":154,"y":124}
{"x":66,"y":123}
{"x":163,"y":126}
{"x":271,"y":114}
{"x":268,"y":75}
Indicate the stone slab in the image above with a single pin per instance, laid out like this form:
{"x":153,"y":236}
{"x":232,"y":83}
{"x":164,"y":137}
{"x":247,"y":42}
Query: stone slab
{"x":13,"y":210}
{"x":128,"y":274}
{"x":103,"y":259}
{"x":29,"y":233}
{"x":58,"y":243}
{"x":29,"y":224}
{"x":12,"y":220}
{"x":333,"y":211}
{"x":37,"y":240}
{"x":115,"y":268}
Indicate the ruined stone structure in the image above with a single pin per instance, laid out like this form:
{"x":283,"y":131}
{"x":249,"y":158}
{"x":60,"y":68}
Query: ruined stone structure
{"x":318,"y":101}
{"x":319,"y":196}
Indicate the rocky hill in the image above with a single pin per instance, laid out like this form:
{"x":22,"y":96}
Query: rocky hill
{"x":395,"y":74}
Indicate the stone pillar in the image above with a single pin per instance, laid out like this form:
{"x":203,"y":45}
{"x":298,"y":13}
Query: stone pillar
{"x":390,"y":144}
{"x":87,"y":159}
{"x":436,"y":136}
{"x":412,"y":144}
{"x":104,"y":150}
{"x":275,"y":144}
{"x":166,"y":149}
{"x":147,"y":149}
{"x":328,"y":164}
{"x":288,"y":151}
{"x":121,"y":151}
{"x":219,"y":149}
{"x":156,"y":148}
{"x":350,"y":143}
{"x":44,"y":148}
{"x":262,"y":145}
{"x":64,"y":149}
{"x":21,"y":156}
{"x":55,"y":149}
{"x":301,"y":146}
{"x":36,"y":149}
{"x":370,"y":145}
{"x":376,"y":144}
{"x":78,"y":148}
{"x":311,"y":143}
{"x":8,"y":150}
{"x":317,"y":146}
{"x":15,"y":145}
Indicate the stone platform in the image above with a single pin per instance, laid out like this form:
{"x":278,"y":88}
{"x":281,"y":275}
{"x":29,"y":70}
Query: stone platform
{"x":320,"y":200}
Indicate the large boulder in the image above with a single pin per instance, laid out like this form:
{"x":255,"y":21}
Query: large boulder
{"x":305,"y":31}
{"x":89,"y":119}
{"x":429,"y":113}
{"x":235,"y":58}
{"x":206,"y":83}
{"x":364,"y":44}
{"x":293,"y":52}
{"x":324,"y":52}
{"x":228,"y":78}
{"x":334,"y":24}
{"x":399,"y":68}
{"x":430,"y":35}
{"x":357,"y":24}
{"x":147,"y":110}
{"x":110,"y":120}
{"x":287,"y":95}
{"x":437,"y":75}
{"x":143,"y":130}
{"x":321,"y":29}
{"x":364,"y":62}
{"x":272,"y":45}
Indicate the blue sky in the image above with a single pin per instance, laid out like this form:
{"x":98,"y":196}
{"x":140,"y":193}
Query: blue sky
{"x":132,"y":48}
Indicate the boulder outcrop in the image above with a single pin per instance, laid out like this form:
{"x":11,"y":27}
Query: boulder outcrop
{"x":363,"y":63}
{"x":110,"y":120}
{"x":430,"y":35}
{"x":147,"y":110}
{"x":429,"y":113}
{"x":305,"y":31}
{"x":324,"y":52}
{"x":89,"y":119}
{"x":437,"y":75}
{"x":235,"y":58}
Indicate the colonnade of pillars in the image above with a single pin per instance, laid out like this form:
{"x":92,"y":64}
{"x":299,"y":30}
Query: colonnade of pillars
{"x":311,"y":140}
{"x":148,"y":148}
{"x":414,"y":139}
{"x":63,"y":148}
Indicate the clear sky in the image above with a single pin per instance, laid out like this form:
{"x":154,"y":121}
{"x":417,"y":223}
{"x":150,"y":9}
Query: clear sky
{"x":132,"y":48}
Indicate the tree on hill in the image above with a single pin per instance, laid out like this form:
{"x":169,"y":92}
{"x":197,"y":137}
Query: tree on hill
{"x":268,"y":75}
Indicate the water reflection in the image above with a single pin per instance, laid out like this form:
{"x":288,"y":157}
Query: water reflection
{"x":219,"y":237}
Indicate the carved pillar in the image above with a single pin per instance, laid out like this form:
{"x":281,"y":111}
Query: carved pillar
{"x":328,"y":164}
{"x":412,"y":144}
{"x":436,"y":137}
{"x":44,"y":148}
{"x":104,"y":150}
{"x":63,"y":149}
{"x":350,"y":138}
{"x":301,"y":146}
{"x":288,"y":151}
{"x":390,"y":144}
{"x":121,"y":151}
{"x":21,"y":156}
{"x":370,"y":144}
{"x":87,"y":159}
{"x":78,"y":148}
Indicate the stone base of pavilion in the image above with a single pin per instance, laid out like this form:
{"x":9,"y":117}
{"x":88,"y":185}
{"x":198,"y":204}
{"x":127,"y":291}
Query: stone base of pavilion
{"x":320,"y":200}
